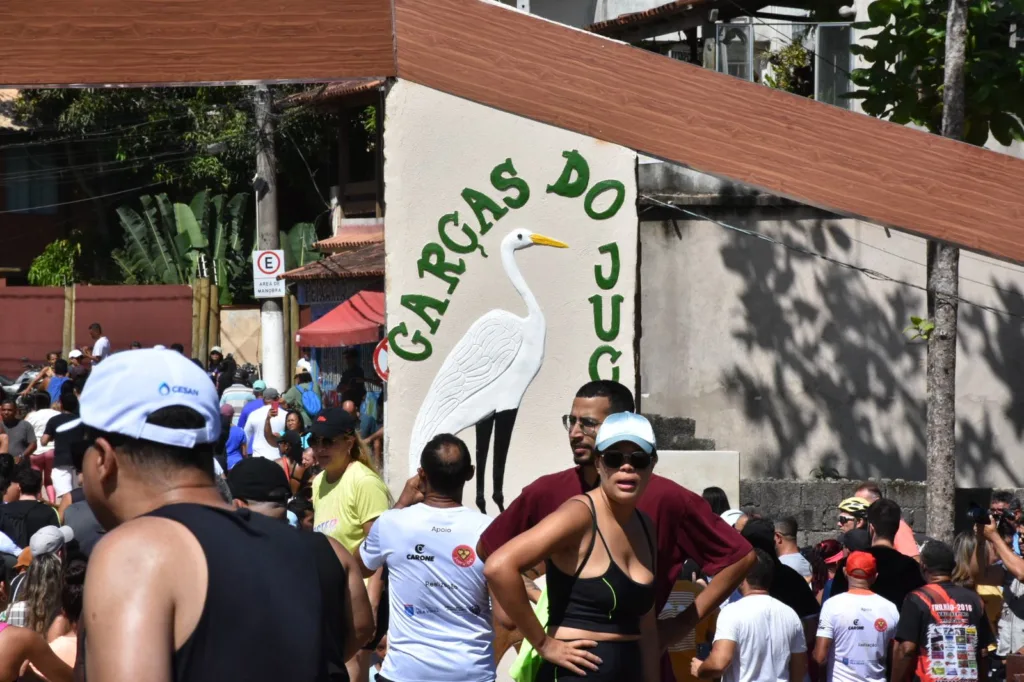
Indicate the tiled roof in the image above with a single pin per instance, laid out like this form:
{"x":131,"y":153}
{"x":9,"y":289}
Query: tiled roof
{"x":353,"y":233}
{"x":336,"y":90}
{"x":647,"y":16}
{"x":366,"y":260}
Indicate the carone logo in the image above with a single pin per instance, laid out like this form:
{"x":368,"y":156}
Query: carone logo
{"x":164,"y":389}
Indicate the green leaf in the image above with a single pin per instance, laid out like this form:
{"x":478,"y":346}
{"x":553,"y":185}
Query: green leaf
{"x":916,"y":320}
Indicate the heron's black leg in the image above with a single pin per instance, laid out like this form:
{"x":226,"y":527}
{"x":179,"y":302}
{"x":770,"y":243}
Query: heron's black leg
{"x":506,"y":421}
{"x":483,"y":442}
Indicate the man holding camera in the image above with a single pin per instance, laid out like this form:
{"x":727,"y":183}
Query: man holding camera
{"x":998,"y":531}
{"x":1007,"y":507}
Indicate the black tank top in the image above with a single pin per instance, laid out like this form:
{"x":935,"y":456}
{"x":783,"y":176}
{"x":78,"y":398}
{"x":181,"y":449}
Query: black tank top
{"x":263,"y":616}
{"x":612,"y":603}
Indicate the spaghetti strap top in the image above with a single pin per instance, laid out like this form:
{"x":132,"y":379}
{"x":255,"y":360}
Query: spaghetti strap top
{"x":611,"y":603}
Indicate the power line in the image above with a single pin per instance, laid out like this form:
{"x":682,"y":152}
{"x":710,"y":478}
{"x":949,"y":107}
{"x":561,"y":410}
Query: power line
{"x":873,"y":274}
{"x":79,"y":201}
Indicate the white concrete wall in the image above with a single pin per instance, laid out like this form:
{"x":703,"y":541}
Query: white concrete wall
{"x":435,"y":146}
{"x":801,"y":364}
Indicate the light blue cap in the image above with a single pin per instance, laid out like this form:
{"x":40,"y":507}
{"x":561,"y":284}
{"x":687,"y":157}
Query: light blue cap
{"x":625,"y":426}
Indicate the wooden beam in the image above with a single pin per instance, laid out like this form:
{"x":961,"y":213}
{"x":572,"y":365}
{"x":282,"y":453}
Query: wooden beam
{"x":135,"y":42}
{"x":791,"y":146}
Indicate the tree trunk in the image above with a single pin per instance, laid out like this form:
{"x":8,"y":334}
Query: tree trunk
{"x":943,"y":285}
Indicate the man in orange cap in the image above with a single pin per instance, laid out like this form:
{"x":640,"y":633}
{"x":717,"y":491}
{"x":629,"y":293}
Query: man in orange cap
{"x":855,"y":628}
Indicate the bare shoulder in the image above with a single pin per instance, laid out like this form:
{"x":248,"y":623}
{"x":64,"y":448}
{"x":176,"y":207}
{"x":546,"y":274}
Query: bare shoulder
{"x":575,"y":511}
{"x":143,"y":544}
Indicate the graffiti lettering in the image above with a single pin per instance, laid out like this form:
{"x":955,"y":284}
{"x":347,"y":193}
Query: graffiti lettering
{"x":443,"y":262}
{"x":612,"y":354}
{"x":420,"y":304}
{"x":480,"y":202}
{"x":597,"y":301}
{"x":433,"y":261}
{"x":417,"y":338}
{"x":503,"y":177}
{"x":566,"y":186}
{"x":608,"y":282}
{"x":599,"y":189}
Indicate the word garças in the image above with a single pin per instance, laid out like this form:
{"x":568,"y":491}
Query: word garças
{"x":442,"y":259}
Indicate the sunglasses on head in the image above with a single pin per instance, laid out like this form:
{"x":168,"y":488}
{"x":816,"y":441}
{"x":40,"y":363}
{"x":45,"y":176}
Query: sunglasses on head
{"x":614,"y":459}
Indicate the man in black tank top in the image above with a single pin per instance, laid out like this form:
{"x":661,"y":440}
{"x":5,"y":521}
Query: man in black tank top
{"x":183,"y":587}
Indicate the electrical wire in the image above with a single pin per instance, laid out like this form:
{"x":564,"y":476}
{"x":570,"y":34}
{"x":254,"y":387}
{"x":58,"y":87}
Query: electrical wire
{"x":79,"y":201}
{"x":873,"y":274}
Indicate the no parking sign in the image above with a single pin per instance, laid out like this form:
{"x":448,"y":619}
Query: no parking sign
{"x":266,"y":266}
{"x":380,"y":359}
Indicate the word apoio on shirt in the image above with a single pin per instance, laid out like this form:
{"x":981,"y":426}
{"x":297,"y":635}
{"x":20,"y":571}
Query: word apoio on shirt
{"x":419,"y":555}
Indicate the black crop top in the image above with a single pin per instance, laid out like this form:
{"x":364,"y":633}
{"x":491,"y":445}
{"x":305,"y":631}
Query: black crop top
{"x":612,"y":603}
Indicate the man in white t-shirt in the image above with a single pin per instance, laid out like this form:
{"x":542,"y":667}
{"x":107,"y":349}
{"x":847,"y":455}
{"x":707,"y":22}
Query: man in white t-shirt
{"x":100,"y":346}
{"x":441,"y":626}
{"x":758,"y":638}
{"x":254,"y":433}
{"x":856,"y":628}
{"x":787,"y":549}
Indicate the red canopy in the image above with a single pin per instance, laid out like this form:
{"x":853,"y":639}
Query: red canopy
{"x":357,"y":320}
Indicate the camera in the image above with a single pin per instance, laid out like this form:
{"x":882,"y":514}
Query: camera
{"x":982,"y":517}
{"x":978,"y":516}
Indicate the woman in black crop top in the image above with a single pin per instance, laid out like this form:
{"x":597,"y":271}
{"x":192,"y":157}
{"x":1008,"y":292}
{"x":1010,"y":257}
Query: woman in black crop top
{"x":600,"y":556}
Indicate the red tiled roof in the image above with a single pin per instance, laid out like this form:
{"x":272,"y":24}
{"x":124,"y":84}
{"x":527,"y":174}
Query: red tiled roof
{"x":353,"y":233}
{"x":366,"y":260}
{"x":333,"y":91}
{"x":647,"y":16}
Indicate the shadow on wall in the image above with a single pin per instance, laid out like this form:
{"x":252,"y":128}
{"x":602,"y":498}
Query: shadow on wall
{"x":997,"y":339}
{"x":838,"y":362}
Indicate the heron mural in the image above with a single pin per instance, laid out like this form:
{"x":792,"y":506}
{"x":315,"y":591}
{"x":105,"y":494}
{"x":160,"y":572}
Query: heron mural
{"x":485,"y":376}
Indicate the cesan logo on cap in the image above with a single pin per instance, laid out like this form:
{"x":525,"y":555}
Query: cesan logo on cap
{"x":166,"y":389}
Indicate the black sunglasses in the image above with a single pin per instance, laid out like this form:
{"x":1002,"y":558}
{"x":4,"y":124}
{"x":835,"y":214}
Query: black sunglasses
{"x":638,"y":460}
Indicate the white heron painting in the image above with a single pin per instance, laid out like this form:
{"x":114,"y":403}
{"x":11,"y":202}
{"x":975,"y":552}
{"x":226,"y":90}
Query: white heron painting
{"x":482,"y":381}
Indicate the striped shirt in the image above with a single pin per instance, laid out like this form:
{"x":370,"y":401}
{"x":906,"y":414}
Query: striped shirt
{"x":238,"y":396}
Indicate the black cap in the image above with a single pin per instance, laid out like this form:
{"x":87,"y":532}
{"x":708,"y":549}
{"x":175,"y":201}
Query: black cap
{"x":857,"y":540}
{"x":258,"y":479}
{"x":292,"y":438}
{"x":333,"y":423}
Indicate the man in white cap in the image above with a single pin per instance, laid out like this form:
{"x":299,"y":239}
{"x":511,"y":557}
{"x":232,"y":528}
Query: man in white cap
{"x":76,"y":369}
{"x":150,"y":420}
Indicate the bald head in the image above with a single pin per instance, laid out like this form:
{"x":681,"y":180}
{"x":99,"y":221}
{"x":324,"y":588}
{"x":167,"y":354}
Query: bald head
{"x":349,"y":407}
{"x":868,"y":490}
{"x":446,"y":465}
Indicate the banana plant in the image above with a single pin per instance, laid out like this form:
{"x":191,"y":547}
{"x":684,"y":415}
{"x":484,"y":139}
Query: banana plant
{"x":297,"y":244}
{"x":173,"y":243}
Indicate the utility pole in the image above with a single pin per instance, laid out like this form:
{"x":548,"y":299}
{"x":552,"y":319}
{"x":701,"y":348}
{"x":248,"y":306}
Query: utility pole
{"x":271,"y":316}
{"x":943,"y":289}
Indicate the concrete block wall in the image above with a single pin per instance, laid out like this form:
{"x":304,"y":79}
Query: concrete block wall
{"x":814,"y":503}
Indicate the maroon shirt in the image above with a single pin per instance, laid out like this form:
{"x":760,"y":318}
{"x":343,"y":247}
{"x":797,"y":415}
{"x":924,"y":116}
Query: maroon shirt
{"x":686,"y":526}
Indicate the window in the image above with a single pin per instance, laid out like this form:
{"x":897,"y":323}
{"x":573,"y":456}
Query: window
{"x":30,"y":181}
{"x":734,"y":50}
{"x":833,"y":63}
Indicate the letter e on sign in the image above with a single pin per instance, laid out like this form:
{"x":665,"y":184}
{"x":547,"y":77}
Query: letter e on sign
{"x":266,"y":266}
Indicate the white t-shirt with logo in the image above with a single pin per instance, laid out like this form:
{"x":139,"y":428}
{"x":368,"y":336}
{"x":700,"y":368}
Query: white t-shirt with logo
{"x":766,"y":633}
{"x":440,"y":626}
{"x":861,"y":626}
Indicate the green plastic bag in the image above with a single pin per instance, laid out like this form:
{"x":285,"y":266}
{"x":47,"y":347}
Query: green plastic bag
{"x":527,"y":663}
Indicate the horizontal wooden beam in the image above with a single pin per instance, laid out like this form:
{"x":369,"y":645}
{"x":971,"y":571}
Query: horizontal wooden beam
{"x":781,"y":143}
{"x":136,"y":42}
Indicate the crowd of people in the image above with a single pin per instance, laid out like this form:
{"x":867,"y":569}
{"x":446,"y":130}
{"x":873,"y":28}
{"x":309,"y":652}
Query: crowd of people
{"x":178,"y":473}
{"x":876,"y":603}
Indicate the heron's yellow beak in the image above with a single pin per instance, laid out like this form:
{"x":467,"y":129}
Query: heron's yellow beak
{"x":547,"y":241}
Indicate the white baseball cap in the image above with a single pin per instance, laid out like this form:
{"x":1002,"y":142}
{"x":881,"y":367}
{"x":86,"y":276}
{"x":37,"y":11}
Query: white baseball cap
{"x":124,"y":390}
{"x":75,"y":354}
{"x":731,"y":516}
{"x":625,"y":426}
